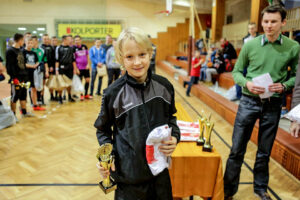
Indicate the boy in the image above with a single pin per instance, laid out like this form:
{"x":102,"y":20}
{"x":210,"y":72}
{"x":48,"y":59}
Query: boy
{"x":97,"y":53}
{"x":31,"y":63}
{"x":81,"y":59}
{"x":195,"y":72}
{"x":18,"y":74}
{"x":43,"y":65}
{"x":134,"y":105}
{"x":113,"y":67}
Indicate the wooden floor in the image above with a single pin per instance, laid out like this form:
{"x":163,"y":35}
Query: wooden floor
{"x":52,"y":156}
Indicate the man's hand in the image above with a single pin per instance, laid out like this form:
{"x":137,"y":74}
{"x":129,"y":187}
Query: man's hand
{"x":169,"y":146}
{"x":254,"y":89}
{"x":47,"y":74}
{"x":56,"y":72}
{"x":276,"y":87}
{"x":51,"y":69}
{"x":295,"y":129}
{"x":105,"y":172}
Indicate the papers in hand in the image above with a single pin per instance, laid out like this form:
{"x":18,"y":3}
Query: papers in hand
{"x":294,"y":114}
{"x":264,"y":81}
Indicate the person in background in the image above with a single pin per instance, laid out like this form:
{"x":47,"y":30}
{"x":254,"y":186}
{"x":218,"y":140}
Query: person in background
{"x":97,"y":53}
{"x":31,"y":63}
{"x":153,"y":58}
{"x":18,"y":74}
{"x":229,"y":53}
{"x":54,"y":42}
{"x":218,"y":67}
{"x":195,"y":72}
{"x":112,"y":65}
{"x":82,"y":63}
{"x":2,"y":70}
{"x":49,"y":53}
{"x":65,"y":63}
{"x":295,"y":126}
{"x":27,"y":35}
{"x":43,"y":66}
{"x":252,"y":33}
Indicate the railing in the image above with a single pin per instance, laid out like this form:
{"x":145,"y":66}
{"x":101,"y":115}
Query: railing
{"x":235,"y":33}
{"x":293,"y":20}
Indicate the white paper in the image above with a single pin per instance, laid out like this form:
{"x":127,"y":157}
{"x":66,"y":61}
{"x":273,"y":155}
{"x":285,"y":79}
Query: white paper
{"x":294,"y":114}
{"x":264,"y":81}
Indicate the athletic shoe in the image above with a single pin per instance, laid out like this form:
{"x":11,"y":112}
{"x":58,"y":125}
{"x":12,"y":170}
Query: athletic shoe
{"x":88,"y":97}
{"x":16,"y":119}
{"x":263,"y":195}
{"x":81,"y":97}
{"x":99,"y":94}
{"x":38,"y":108}
{"x":185,"y":83}
{"x":53,"y":99}
{"x":28,"y":114}
{"x":59,"y":99}
{"x":71,"y":100}
{"x":75,"y":96}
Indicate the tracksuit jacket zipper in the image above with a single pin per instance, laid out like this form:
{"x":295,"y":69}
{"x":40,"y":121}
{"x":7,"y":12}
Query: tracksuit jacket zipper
{"x":144,"y":107}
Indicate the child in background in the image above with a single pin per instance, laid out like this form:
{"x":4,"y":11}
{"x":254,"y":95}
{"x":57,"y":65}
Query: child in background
{"x":217,"y":68}
{"x":195,"y":72}
{"x":134,"y":105}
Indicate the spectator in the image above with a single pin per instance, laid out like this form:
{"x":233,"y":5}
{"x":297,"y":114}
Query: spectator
{"x":81,"y":59}
{"x":2,"y":69}
{"x":195,"y":72}
{"x":252,"y":33}
{"x":113,"y":67}
{"x":269,"y":53}
{"x":217,"y":67}
{"x":97,"y":53}
{"x":18,"y":75}
{"x":229,"y":53}
{"x":295,"y":126}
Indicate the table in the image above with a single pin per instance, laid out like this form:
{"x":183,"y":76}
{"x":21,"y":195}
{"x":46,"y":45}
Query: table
{"x":194,"y":172}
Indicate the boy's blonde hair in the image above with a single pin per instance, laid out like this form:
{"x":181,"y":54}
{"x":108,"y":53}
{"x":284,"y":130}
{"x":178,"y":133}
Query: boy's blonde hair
{"x":136,"y":34}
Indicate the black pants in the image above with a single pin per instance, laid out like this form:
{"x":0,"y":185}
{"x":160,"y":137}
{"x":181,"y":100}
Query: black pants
{"x":251,"y":109}
{"x":157,"y":189}
{"x":194,"y":80}
{"x":113,"y":74}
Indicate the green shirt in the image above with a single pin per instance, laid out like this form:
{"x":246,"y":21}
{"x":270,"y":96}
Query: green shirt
{"x":40,"y":54}
{"x":260,"y":56}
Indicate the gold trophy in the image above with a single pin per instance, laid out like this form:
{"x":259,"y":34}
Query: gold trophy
{"x":201,"y":140}
{"x":104,"y":156}
{"x":208,"y":129}
{"x":22,"y":85}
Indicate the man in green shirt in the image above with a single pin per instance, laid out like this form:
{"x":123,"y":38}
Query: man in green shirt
{"x":269,"y":53}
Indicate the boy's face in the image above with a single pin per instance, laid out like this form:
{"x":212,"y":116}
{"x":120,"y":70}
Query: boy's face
{"x":98,"y":43}
{"x":77,"y":41}
{"x":54,"y":41}
{"x":46,"y":39}
{"x":29,"y":44}
{"x":252,"y":29}
{"x":197,"y":54}
{"x":35,"y":43}
{"x":136,"y":60}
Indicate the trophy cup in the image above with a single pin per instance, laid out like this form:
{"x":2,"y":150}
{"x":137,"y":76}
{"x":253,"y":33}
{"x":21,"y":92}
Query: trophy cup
{"x":104,"y":156}
{"x":201,"y":140}
{"x":208,"y":129}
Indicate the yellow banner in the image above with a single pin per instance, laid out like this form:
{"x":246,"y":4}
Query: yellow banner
{"x":90,"y":30}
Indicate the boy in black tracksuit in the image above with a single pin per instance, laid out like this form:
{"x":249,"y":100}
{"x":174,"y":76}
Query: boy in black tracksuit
{"x":131,"y":108}
{"x":18,"y":74}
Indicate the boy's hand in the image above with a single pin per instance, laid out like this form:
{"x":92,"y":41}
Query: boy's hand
{"x":169,"y":146}
{"x":104,"y":172}
{"x":276,"y":87}
{"x":295,"y":129}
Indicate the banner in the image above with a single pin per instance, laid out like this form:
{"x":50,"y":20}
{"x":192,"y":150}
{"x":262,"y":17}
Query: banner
{"x":89,"y":30}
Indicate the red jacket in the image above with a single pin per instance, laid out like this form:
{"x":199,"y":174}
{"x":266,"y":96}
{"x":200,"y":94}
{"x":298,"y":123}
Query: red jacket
{"x":195,"y":71}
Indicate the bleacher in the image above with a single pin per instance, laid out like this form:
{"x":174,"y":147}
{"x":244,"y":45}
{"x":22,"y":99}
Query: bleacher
{"x":286,"y":149}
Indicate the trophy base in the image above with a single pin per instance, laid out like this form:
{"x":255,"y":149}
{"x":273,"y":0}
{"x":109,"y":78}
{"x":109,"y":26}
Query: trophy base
{"x":200,"y":142}
{"x":207,"y":148}
{"x":107,"y":190}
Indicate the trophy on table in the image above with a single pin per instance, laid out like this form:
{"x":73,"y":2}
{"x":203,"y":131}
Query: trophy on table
{"x":208,"y":129}
{"x":201,"y":140}
{"x":104,"y":156}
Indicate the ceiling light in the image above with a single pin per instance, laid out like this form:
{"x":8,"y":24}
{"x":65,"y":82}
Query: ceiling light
{"x":34,"y":32}
{"x":22,"y":29}
{"x":41,"y":34}
{"x":40,"y":29}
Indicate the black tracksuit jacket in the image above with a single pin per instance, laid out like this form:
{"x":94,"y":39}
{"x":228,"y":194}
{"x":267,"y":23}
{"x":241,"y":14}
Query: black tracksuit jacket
{"x":129,"y":112}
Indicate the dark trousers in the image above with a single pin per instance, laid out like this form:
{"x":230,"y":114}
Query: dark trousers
{"x":251,"y":109}
{"x":194,"y":80}
{"x":113,"y":74}
{"x":159,"y":188}
{"x":94,"y":75}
